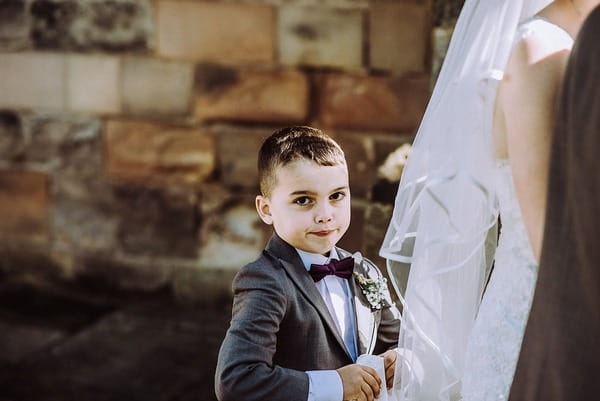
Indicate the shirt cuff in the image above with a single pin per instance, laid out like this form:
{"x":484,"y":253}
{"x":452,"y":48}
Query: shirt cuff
{"x":324,"y":385}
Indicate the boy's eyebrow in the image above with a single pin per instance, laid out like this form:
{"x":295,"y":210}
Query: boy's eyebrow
{"x":307,"y":192}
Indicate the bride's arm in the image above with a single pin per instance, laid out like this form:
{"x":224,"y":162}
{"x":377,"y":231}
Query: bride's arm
{"x":527,"y":97}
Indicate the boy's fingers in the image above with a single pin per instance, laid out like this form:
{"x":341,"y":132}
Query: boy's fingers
{"x":367,"y":392}
{"x":389,"y":374}
{"x":372,"y":379}
{"x":373,"y":373}
{"x":389,"y":358}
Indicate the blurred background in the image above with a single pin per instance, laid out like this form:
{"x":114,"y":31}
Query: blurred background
{"x":128,"y":138}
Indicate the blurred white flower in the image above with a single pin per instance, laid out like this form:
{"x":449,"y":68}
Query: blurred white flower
{"x":391,"y":169}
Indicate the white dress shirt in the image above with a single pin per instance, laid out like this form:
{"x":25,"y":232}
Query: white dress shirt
{"x":326,"y":385}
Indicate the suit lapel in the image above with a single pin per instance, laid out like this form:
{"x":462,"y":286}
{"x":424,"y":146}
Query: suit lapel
{"x":291,"y":262}
{"x":365,"y":321}
{"x":366,"y":324}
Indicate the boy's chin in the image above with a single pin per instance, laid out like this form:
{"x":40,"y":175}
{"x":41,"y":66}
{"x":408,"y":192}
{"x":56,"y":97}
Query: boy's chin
{"x":322,"y":249}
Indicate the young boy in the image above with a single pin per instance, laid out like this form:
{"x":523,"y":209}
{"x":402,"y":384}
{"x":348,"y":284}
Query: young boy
{"x":297,"y":328}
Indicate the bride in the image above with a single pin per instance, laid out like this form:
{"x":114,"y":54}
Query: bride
{"x":481,"y":152}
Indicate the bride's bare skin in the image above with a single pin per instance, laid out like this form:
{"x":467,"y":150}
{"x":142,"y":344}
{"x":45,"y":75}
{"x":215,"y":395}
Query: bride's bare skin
{"x":525,"y":110}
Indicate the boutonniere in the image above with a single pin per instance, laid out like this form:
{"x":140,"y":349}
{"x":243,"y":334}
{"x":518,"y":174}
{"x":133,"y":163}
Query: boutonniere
{"x":373,"y":289}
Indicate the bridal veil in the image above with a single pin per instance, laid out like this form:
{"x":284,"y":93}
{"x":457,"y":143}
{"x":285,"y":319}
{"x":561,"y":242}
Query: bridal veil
{"x":444,"y":221}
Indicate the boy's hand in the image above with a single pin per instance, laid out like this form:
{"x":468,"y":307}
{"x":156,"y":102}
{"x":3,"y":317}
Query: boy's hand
{"x":389,"y":364}
{"x":361,"y":383}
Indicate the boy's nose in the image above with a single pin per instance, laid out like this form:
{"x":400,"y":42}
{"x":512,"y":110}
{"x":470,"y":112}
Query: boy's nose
{"x":324,"y":214}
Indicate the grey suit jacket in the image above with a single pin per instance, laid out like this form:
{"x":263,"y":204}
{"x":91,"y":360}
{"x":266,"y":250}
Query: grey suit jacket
{"x":281,"y":327}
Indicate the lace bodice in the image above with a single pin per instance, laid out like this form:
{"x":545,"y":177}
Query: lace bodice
{"x":496,"y":338}
{"x":516,"y":238}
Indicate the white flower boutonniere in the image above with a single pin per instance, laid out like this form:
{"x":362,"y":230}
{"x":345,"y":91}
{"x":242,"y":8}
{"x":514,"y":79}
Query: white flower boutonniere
{"x":373,"y":289}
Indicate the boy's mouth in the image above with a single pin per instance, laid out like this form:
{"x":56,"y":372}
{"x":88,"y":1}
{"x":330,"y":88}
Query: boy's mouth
{"x":323,"y":233}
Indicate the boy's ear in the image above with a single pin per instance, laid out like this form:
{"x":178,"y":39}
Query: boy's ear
{"x":263,"y":209}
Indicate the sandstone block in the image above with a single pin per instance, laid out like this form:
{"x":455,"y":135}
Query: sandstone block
{"x":91,"y":25}
{"x":215,"y":31}
{"x":51,"y":22}
{"x":377,"y":220}
{"x":371,"y":102}
{"x":359,"y":157}
{"x":12,"y":140}
{"x":201,"y":285}
{"x":82,"y":227}
{"x":147,"y":151}
{"x":14,"y":25}
{"x":156,"y":87}
{"x":399,"y":36}
{"x":36,"y":80}
{"x":233,"y":237}
{"x":353,"y":239}
{"x":93,"y":84}
{"x":137,"y":272}
{"x":251,"y":95}
{"x":24,"y":206}
{"x":156,"y":222}
{"x":318,"y":36}
{"x":237,"y":154}
{"x":55,"y":141}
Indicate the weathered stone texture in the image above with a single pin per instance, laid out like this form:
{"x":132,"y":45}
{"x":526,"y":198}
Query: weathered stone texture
{"x":12,"y":141}
{"x":153,"y":87}
{"x":82,"y":227}
{"x":233,"y":237}
{"x":51,"y":20}
{"x":147,"y":152}
{"x":54,"y":143}
{"x":213,"y":31}
{"x":36,"y":80}
{"x":203,"y":285}
{"x":358,"y":150}
{"x":238,"y":151}
{"x":93,"y":84}
{"x":399,"y":36}
{"x":370,"y":102}
{"x":318,"y":36}
{"x":145,"y":272}
{"x":251,"y":95}
{"x":156,"y":222}
{"x":24,"y":206}
{"x":353,"y":239}
{"x":70,"y":149}
{"x":14,"y":25}
{"x":376,"y":222}
{"x":113,"y":25}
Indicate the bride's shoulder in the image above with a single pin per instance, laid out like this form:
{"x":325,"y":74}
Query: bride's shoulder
{"x":538,"y":37}
{"x":540,"y":51}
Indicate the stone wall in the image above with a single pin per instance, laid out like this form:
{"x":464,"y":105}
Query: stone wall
{"x":129,"y":128}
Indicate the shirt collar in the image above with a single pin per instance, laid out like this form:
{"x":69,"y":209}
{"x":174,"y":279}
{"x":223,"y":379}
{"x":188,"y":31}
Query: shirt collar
{"x":309,"y":258}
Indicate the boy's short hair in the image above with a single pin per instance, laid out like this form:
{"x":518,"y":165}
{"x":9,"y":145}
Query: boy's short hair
{"x":290,"y":144}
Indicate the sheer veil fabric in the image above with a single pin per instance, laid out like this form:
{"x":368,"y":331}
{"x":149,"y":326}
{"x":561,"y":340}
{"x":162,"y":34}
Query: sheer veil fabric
{"x":444,"y":220}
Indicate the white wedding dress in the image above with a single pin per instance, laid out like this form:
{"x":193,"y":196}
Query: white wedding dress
{"x":493,"y":348}
{"x":455,"y":343}
{"x":495,"y":342}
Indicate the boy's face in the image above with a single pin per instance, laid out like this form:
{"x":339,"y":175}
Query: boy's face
{"x":309,"y":205}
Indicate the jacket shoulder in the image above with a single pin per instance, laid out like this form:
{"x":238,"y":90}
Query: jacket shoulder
{"x":362,"y":264}
{"x":266,"y":269}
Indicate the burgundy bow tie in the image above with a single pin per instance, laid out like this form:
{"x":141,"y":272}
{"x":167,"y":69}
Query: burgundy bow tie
{"x":341,"y":268}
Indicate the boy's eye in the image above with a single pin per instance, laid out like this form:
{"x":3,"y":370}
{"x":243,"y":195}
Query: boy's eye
{"x":337,"y":196}
{"x":302,"y":201}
